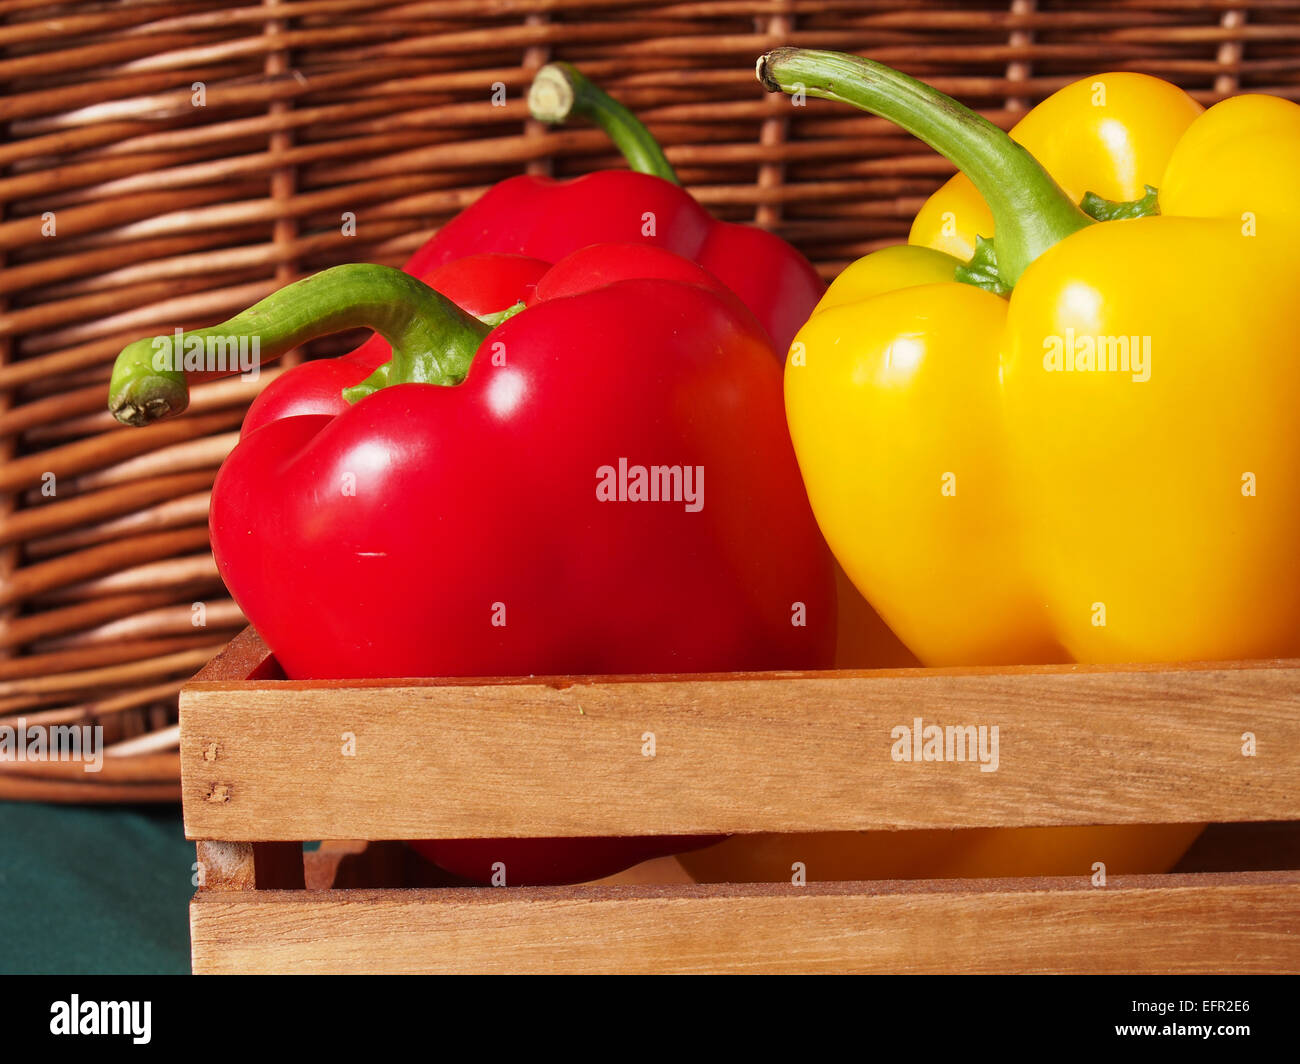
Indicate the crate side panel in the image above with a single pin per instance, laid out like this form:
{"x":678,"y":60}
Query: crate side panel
{"x":267,"y":761}
{"x":1165,"y":924}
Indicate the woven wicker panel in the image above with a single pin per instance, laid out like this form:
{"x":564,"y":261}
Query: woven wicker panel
{"x":166,"y":164}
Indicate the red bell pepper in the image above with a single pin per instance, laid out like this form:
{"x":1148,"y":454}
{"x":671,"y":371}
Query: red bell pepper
{"x":602,"y":483}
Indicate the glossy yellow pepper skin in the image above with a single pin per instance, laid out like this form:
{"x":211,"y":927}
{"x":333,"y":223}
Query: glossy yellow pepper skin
{"x":1112,"y":135}
{"x":996,"y":496}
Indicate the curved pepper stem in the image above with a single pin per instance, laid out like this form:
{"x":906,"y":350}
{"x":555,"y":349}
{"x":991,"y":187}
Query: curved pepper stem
{"x":433,"y":340}
{"x":1031,"y":212}
{"x":560,"y":90}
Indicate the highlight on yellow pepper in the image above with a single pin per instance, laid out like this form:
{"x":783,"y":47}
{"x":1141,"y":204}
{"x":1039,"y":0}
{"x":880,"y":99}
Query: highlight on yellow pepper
{"x":1060,"y":425}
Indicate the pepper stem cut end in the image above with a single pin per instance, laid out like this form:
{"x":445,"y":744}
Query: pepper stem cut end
{"x":551,"y":96}
{"x":560,"y":91}
{"x":140,"y":393}
{"x":433,"y":340}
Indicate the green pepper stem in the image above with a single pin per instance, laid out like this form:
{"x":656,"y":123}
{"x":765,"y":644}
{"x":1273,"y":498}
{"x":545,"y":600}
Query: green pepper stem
{"x":560,"y":90}
{"x":433,"y":340}
{"x":1031,"y":212}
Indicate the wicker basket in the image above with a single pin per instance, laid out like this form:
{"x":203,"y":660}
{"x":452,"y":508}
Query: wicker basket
{"x":168,"y":163}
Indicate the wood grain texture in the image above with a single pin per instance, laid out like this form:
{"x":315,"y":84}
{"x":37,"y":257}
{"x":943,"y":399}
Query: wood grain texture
{"x":245,"y":657}
{"x":263,"y":760}
{"x":1149,"y":924}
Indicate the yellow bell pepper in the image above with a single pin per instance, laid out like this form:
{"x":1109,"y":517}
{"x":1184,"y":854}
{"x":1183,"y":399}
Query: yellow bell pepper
{"x":1077,"y":439}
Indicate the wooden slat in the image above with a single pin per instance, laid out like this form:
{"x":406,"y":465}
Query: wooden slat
{"x":262,"y":760}
{"x":246,"y":657}
{"x":1210,"y":923}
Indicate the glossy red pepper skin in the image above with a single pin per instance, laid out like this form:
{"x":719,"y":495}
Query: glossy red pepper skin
{"x":478,"y":502}
{"x":491,"y":255}
{"x":547,"y":219}
{"x":479,"y":284}
{"x":486,"y":492}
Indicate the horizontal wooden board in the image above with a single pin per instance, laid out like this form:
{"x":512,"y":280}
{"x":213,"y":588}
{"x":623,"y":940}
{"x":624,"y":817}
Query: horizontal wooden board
{"x":1164,"y":924}
{"x":266,"y":760}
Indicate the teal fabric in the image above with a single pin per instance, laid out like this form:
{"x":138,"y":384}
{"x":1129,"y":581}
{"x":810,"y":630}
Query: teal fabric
{"x":94,"y":890}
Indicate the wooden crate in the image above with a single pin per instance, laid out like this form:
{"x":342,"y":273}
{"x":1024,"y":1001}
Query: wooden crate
{"x":263,"y":769}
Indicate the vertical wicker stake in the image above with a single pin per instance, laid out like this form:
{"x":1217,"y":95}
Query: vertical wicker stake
{"x":536,"y":56}
{"x":284,"y":233}
{"x":1019,"y":70}
{"x":772,"y":134}
{"x":1230,"y":53}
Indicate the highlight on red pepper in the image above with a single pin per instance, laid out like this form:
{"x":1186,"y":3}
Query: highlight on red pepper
{"x":602,"y":483}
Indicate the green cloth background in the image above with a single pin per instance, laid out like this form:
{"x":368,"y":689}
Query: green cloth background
{"x":94,"y":890}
